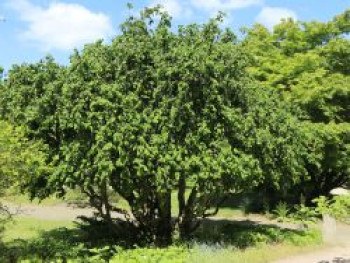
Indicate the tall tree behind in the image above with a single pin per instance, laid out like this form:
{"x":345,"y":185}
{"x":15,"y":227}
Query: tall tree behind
{"x":21,"y":160}
{"x":309,"y":64}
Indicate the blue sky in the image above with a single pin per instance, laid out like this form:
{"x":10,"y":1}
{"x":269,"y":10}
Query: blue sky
{"x":30,"y":29}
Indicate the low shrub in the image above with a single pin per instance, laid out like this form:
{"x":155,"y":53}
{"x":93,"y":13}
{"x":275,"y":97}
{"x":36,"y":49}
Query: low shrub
{"x":338,"y":206}
{"x":171,"y":254}
{"x":281,"y":211}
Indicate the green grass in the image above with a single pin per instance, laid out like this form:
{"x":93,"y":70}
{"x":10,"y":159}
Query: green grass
{"x":16,"y":198}
{"x":260,"y":254}
{"x":292,"y":244}
{"x":228,"y":212}
{"x":203,"y":253}
{"x":76,"y":196}
{"x":26,"y":228}
{"x":34,"y":239}
{"x":23,"y":199}
{"x":209,"y":254}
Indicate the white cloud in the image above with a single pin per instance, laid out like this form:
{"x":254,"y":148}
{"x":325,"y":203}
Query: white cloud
{"x":184,"y":9}
{"x":175,"y":8}
{"x":270,"y":16}
{"x":224,"y":5}
{"x":60,"y":25}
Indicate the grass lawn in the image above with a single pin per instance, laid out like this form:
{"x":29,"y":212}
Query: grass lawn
{"x":29,"y":228}
{"x":39,"y":237}
{"x":260,"y":254}
{"x":16,"y":198}
{"x":208,"y":254}
{"x":75,"y":196}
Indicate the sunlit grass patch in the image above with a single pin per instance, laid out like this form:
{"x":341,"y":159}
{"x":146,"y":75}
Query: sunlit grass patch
{"x":28,"y":228}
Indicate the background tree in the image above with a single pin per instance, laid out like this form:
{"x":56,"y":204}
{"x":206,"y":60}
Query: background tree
{"x":20,"y":161}
{"x":308,"y":64}
{"x":31,"y":98}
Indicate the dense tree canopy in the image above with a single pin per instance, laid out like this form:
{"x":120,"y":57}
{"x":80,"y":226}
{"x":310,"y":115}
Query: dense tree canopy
{"x":19,"y":157}
{"x":308,"y":63}
{"x":153,"y":114}
{"x":20,"y":160}
{"x":193,"y":113}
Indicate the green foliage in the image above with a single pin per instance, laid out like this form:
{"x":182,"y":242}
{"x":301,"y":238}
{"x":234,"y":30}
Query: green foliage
{"x":338,"y":206}
{"x":328,"y":160}
{"x":163,"y":111}
{"x":20,"y":160}
{"x":155,"y":112}
{"x":172,"y":254}
{"x":307,"y":62}
{"x":281,"y":211}
{"x":300,"y":214}
{"x":246,"y":234}
{"x":304,"y":215}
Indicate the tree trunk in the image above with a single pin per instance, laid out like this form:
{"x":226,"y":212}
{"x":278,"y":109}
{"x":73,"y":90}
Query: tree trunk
{"x":187,"y":220}
{"x":164,"y":226}
{"x":186,"y":228}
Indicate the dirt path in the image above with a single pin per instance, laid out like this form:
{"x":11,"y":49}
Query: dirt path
{"x":337,"y":250}
{"x":53,"y":212}
{"x":337,"y":254}
{"x":64,"y":211}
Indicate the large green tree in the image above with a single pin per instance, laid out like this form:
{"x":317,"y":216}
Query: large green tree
{"x":155,"y":113}
{"x":308,"y":64}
